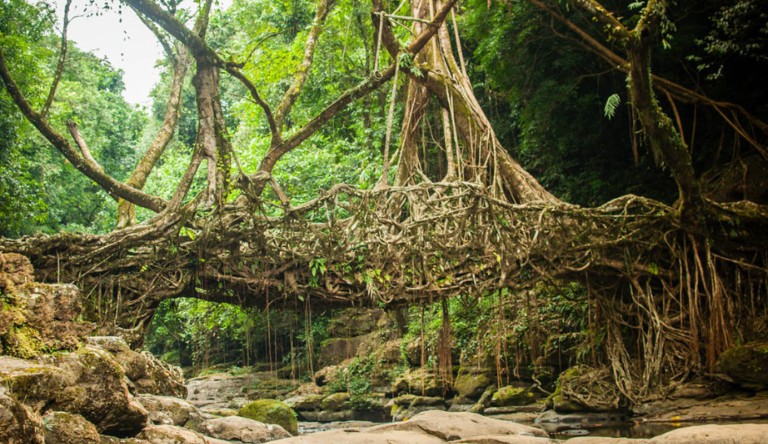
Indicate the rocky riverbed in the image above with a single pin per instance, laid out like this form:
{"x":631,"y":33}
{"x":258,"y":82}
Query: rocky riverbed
{"x":62,"y":384}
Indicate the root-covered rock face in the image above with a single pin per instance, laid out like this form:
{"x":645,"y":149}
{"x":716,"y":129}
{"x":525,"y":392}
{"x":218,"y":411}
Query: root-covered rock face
{"x":37,"y":317}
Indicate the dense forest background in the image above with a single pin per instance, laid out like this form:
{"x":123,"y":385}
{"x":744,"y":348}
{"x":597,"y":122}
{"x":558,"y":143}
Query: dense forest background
{"x":559,"y":108}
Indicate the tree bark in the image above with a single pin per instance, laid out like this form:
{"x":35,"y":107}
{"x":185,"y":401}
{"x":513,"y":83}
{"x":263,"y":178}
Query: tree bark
{"x":126,"y":212}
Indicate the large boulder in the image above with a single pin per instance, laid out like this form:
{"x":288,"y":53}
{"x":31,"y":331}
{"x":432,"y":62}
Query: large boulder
{"x":716,"y":434}
{"x":168,"y":434}
{"x":454,"y":426}
{"x":68,"y":428}
{"x":746,"y":365}
{"x":98,"y":391}
{"x":88,"y":382}
{"x":419,"y":381}
{"x":726,"y":408}
{"x":147,"y":373}
{"x":41,"y":317}
{"x":167,"y":410}
{"x":38,"y":385}
{"x":18,"y":424}
{"x":36,"y":317}
{"x":271,"y":411}
{"x":512,"y":396}
{"x":362,"y":437}
{"x":471,"y":383}
{"x":242,"y":429}
{"x":512,"y":439}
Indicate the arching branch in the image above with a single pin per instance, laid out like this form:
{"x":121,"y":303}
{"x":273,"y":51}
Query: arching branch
{"x":346,"y":98}
{"x":302,"y":73}
{"x":60,"y":64}
{"x":125,"y":211}
{"x":113,"y":187}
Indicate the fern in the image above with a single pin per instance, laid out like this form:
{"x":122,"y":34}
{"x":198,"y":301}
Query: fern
{"x":610,"y":105}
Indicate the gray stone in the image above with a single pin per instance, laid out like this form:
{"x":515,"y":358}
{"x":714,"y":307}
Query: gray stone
{"x":716,"y":434}
{"x":242,"y":429}
{"x":455,"y":426}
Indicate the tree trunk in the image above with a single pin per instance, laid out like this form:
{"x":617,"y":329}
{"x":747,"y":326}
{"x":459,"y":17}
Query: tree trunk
{"x":126,"y":212}
{"x":477,"y":155}
{"x":212,"y":137}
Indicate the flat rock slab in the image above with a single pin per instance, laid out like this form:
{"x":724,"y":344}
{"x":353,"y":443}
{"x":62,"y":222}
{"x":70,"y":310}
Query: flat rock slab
{"x":716,"y":434}
{"x":717,"y":410}
{"x":605,"y":440}
{"x":242,"y":430}
{"x":454,"y":426}
{"x":354,"y":437}
{"x":506,"y":439}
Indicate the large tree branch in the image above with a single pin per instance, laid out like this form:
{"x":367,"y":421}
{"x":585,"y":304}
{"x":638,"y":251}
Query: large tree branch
{"x":302,"y":73}
{"x":613,"y":26}
{"x":373,"y":83}
{"x":125,"y":210}
{"x":191,"y":39}
{"x":234,"y":71}
{"x":113,"y":187}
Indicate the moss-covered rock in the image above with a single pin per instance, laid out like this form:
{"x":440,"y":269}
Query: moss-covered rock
{"x":352,"y":322}
{"x":37,"y":318}
{"x":147,"y":373}
{"x":509,"y":395}
{"x":67,"y":428}
{"x":309,"y":402}
{"x":420,"y":381}
{"x":335,"y":401}
{"x":746,"y":365}
{"x":99,"y":393}
{"x":406,"y":406}
{"x":471,"y":382}
{"x":336,"y":350}
{"x":38,"y":385}
{"x":15,"y":270}
{"x":18,"y":424}
{"x":271,"y":411}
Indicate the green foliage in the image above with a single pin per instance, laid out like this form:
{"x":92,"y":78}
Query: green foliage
{"x":41,"y":191}
{"x":355,"y":378}
{"x":545,"y":94}
{"x":611,"y":104}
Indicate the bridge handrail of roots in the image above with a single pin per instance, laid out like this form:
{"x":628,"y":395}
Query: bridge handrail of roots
{"x":351,"y":247}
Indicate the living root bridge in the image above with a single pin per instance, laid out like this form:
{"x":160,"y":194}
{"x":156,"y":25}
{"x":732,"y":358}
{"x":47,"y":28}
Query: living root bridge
{"x":668,"y":301}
